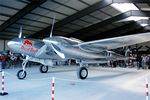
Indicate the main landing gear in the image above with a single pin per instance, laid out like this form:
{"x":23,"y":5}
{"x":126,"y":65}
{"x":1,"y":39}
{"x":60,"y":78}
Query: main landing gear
{"x":82,"y":72}
{"x":43,"y":69}
{"x":21,"y":74}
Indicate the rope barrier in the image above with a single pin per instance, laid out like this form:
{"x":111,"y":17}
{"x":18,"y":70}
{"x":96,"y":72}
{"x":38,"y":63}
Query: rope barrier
{"x":10,"y":74}
{"x":63,"y":79}
{"x":79,"y":81}
{"x":47,"y":78}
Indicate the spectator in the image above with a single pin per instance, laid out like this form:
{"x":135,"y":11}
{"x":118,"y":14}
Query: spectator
{"x":139,"y":60}
{"x":3,"y":58}
{"x":144,"y":62}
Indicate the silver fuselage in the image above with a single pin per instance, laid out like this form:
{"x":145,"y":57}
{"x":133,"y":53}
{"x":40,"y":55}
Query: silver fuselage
{"x":72,"y":50}
{"x":68,"y":47}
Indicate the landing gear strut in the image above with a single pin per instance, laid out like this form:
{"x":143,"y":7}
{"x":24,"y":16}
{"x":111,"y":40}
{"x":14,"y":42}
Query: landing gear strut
{"x":21,"y":74}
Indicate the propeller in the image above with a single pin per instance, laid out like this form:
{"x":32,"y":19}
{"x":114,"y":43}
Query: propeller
{"x":148,"y":48}
{"x":58,"y":52}
{"x":54,"y":47}
{"x":139,"y":47}
{"x":20,"y":32}
{"x":52,"y":27}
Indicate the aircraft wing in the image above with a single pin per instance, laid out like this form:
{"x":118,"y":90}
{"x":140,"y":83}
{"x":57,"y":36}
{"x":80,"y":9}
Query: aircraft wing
{"x":116,"y":42}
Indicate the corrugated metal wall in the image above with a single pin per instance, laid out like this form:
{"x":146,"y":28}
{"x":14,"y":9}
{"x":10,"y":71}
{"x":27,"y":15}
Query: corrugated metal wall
{"x":3,"y":45}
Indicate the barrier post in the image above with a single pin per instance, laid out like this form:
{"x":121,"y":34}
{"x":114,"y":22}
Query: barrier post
{"x":131,"y":57}
{"x":147,"y":89}
{"x":53,"y":83}
{"x":3,"y":92}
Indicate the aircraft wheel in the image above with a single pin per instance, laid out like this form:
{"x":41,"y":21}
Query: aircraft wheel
{"x":82,"y":73}
{"x":43,"y":69}
{"x":21,"y":74}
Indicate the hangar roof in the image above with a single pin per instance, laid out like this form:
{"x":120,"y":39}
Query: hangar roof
{"x":82,"y":19}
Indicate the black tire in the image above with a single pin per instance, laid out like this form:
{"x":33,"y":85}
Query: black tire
{"x":21,"y":75}
{"x":43,"y":69}
{"x":82,"y":73}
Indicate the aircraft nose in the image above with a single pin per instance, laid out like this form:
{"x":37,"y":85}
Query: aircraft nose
{"x":10,"y":43}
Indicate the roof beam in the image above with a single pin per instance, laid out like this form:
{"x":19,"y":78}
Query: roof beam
{"x":75,"y":16}
{"x":116,"y":30}
{"x":107,"y":34}
{"x":135,"y":31}
{"x":111,"y":33}
{"x":8,"y":37}
{"x":140,"y":13}
{"x":8,"y":33}
{"x":144,"y":21}
{"x":86,"y":11}
{"x":85,"y":31}
{"x":119,"y":17}
{"x":34,"y":4}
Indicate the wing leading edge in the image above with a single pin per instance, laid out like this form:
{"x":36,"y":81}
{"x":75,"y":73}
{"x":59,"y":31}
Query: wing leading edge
{"x":116,"y":42}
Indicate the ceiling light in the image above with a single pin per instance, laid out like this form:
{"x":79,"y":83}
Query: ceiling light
{"x":123,"y":7}
{"x":133,"y":18}
{"x":136,"y":18}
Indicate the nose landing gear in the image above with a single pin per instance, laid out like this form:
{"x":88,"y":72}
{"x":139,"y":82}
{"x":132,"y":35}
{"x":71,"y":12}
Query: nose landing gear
{"x":21,"y":74}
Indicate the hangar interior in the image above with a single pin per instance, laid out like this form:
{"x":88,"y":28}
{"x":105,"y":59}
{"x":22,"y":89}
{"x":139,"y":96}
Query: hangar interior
{"x":82,"y":19}
{"x":86,"y":20}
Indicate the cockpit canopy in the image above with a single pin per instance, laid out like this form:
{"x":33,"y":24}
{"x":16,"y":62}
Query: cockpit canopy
{"x":71,"y":41}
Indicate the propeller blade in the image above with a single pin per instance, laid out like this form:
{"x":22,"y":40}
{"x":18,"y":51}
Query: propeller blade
{"x":139,"y":47}
{"x":20,"y":33}
{"x":52,"y":27}
{"x":147,"y":47}
{"x":58,"y":52}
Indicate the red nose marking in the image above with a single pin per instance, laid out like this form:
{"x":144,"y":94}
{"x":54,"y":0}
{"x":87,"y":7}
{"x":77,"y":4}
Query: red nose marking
{"x":27,"y":42}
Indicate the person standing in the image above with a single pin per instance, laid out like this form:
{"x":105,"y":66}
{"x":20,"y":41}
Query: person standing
{"x":139,"y":60}
{"x":3,"y":58}
{"x":144,"y":62}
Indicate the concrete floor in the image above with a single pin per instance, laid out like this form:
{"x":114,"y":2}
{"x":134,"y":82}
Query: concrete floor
{"x":101,"y":84}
